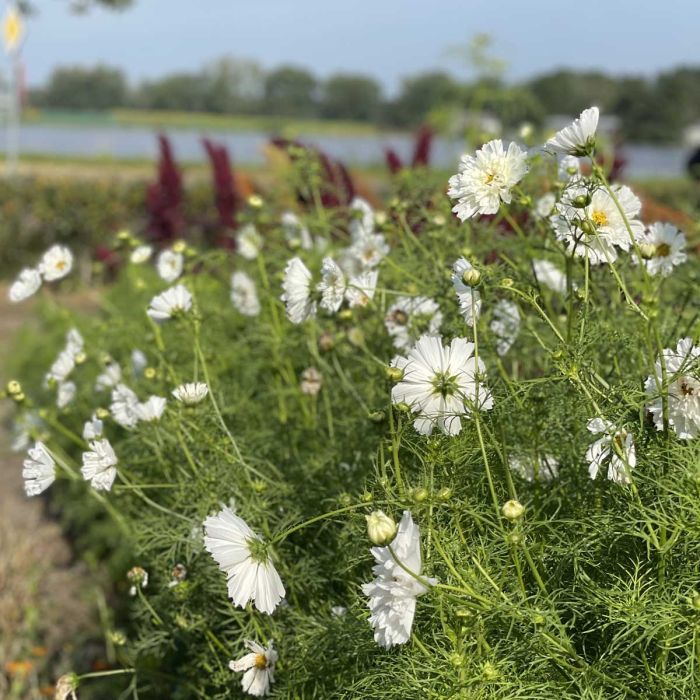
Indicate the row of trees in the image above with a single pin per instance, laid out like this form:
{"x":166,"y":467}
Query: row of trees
{"x":655,"y":109}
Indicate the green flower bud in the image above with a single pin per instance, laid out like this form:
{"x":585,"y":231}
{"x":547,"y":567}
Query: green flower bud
{"x":587,"y":227}
{"x":394,"y":373}
{"x":507,"y":282}
{"x":345,"y":314}
{"x":471,"y":277}
{"x":647,"y":250}
{"x":445,"y":493}
{"x":377,"y":416}
{"x":14,"y":387}
{"x":420,"y":494}
{"x":513,"y":510}
{"x":403,"y":407}
{"x":490,"y":671}
{"x":581,"y":201}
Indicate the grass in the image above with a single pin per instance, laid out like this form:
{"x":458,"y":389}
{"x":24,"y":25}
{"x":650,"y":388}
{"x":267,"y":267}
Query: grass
{"x":287,"y":126}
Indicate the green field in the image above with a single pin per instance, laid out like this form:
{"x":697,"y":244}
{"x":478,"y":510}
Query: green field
{"x":198,"y":120}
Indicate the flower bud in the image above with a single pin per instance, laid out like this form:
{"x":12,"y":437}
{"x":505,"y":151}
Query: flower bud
{"x":513,"y":510}
{"x":118,"y":638}
{"x":394,"y":373}
{"x":403,"y":407}
{"x":366,"y":497}
{"x":102,"y":413}
{"x":66,"y":686}
{"x":255,"y":201}
{"x":381,"y":529}
{"x":80,"y":358}
{"x":356,"y":337}
{"x":581,"y":201}
{"x":507,"y":282}
{"x":345,"y":314}
{"x":490,"y":671}
{"x":149,"y":373}
{"x":647,"y":250}
{"x":19,"y":397}
{"x":439,"y":220}
{"x":377,"y":416}
{"x":380,"y":218}
{"x":179,"y":247}
{"x":14,"y":387}
{"x":471,"y":277}
{"x":695,"y":601}
{"x":326,"y":341}
{"x":587,"y":227}
{"x":420,"y":494}
{"x":445,"y":493}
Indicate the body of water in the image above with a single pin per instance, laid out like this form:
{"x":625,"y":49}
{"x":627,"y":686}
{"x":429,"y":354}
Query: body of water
{"x":246,"y":147}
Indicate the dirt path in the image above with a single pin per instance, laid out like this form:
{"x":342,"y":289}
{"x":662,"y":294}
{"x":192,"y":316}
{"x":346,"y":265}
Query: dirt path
{"x":46,"y":605}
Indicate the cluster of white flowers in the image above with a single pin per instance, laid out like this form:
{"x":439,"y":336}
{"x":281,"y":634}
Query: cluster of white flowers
{"x":63,"y":366}
{"x":55,"y":264}
{"x":680,"y":392}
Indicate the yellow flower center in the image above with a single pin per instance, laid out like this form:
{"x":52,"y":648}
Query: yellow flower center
{"x":490,"y":177}
{"x":599,"y":218}
{"x":260,"y":661}
{"x":61,"y":265}
{"x":663,"y":250}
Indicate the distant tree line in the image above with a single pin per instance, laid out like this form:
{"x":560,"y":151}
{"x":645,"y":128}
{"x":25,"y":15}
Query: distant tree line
{"x":650,"y":109}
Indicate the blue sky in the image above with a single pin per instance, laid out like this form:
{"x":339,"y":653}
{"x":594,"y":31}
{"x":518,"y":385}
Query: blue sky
{"x":386,"y":38}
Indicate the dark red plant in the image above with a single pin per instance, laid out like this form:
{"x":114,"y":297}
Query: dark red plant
{"x":421,"y":152}
{"x":165,"y":198}
{"x":337,"y":187}
{"x":227,"y":198}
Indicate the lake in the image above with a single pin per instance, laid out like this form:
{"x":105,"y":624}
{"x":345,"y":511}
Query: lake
{"x":247,"y":147}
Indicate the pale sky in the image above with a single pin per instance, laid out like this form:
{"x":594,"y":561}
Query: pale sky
{"x":388,"y":39}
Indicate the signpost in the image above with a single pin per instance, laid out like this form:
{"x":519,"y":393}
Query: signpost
{"x":12,"y":34}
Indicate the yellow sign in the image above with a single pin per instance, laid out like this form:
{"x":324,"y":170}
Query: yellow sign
{"x":12,"y":29}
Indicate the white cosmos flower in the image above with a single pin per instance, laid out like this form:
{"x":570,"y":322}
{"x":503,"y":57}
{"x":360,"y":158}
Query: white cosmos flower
{"x":139,"y":362}
{"x":486,"y":179}
{"x":505,"y":325}
{"x":100,"y":465}
{"x":361,"y":288}
{"x":172,"y":301}
{"x":578,"y":138}
{"x":74,"y":341}
{"x":544,"y":205}
{"x":331,"y":286}
{"x":110,"y":376}
{"x":539,"y":468}
{"x":66,"y":393}
{"x":294,"y":230}
{"x":241,"y":554}
{"x":169,"y":265}
{"x":410,"y":317}
{"x":669,"y":248}
{"x":602,"y":214}
{"x":258,"y":668}
{"x":296,"y":291}
{"x":191,"y":393}
{"x":549,"y":275}
{"x":569,"y":168}
{"x":151,"y":409}
{"x":614,"y":448}
{"x":39,"y":470}
{"x":392,"y":594}
{"x":369,"y":249}
{"x":439,"y":384}
{"x":141,"y":254}
{"x":92,"y":429}
{"x":124,"y":406}
{"x":26,"y":284}
{"x":311,"y":381}
{"x":244,"y":295}
{"x":362,"y":218}
{"x":682,"y":391}
{"x":56,"y":263}
{"x":469,"y":298}
{"x":249,"y":242}
{"x":62,"y":367}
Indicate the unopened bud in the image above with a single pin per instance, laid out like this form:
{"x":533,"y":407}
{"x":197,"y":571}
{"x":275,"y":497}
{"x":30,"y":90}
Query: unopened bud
{"x":14,"y":387}
{"x":19,"y":397}
{"x":377,"y":416}
{"x":345,"y":314}
{"x":381,"y":529}
{"x":326,"y":341}
{"x":403,"y":407}
{"x":445,"y":493}
{"x":356,"y":336}
{"x":513,"y":510}
{"x":647,"y":250}
{"x":581,"y":201}
{"x":471,"y":277}
{"x":102,"y":413}
{"x":394,"y":373}
{"x":149,"y":373}
{"x":507,"y":282}
{"x":255,"y":201}
{"x":587,"y":227}
{"x":420,"y":494}
{"x":80,"y":358}
{"x":179,"y":247}
{"x":490,"y":671}
{"x":695,"y":601}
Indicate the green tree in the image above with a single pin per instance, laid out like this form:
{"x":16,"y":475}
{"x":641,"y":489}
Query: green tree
{"x":98,"y":88}
{"x":182,"y":91}
{"x":355,"y":97}
{"x":422,"y":94}
{"x":290,"y":91}
{"x":569,"y":92}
